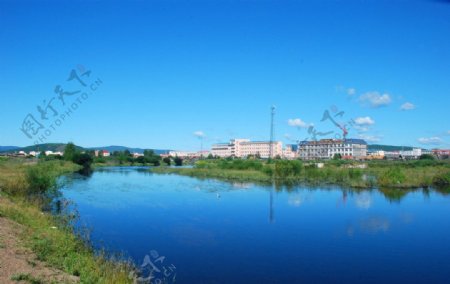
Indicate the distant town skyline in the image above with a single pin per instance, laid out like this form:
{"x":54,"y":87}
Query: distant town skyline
{"x":186,"y":75}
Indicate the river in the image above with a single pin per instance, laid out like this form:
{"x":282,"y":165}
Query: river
{"x":208,"y":231}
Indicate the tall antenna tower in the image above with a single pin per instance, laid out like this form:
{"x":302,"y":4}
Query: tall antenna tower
{"x":272,"y":115}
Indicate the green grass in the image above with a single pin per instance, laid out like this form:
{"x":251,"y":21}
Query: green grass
{"x":28,"y":278}
{"x":50,"y":237}
{"x":231,"y":175}
{"x":383,"y":174}
{"x":20,"y":177}
{"x":60,"y":247}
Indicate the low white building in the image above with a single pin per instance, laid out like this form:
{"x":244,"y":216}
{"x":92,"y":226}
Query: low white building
{"x":34,"y":153}
{"x":102,"y":153}
{"x":51,"y":153}
{"x":187,"y":154}
{"x":415,"y":153}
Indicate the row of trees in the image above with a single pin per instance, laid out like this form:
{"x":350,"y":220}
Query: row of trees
{"x":86,"y":158}
{"x":122,"y":157}
{"x":81,"y":158}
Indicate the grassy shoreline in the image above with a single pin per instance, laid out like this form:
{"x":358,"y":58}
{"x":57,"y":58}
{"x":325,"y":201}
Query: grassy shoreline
{"x":50,"y":237}
{"x":383,"y":175}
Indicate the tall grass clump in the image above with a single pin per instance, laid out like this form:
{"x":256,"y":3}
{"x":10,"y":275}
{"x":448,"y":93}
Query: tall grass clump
{"x":285,"y":168}
{"x":41,"y":178}
{"x":391,"y":177}
{"x":442,"y":180}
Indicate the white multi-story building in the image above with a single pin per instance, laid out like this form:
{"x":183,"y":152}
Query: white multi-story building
{"x":242,"y":148}
{"x":327,"y":148}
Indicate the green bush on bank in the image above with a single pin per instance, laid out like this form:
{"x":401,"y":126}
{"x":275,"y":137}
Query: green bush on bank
{"x":391,"y":177}
{"x":40,"y":178}
{"x":442,"y":180}
{"x":286,"y":168}
{"x":235,"y":164}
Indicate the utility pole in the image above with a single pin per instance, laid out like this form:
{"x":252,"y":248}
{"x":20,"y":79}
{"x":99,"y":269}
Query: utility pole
{"x":272,"y":115}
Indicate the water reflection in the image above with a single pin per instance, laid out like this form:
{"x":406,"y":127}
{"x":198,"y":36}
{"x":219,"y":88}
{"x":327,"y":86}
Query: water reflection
{"x":369,"y":225}
{"x":363,"y":200}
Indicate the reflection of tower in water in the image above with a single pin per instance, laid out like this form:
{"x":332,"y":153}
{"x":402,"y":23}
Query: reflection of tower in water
{"x":271,"y":212}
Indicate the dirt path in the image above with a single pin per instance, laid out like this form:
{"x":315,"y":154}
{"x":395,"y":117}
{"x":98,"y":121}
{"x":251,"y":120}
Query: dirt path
{"x":17,"y":262}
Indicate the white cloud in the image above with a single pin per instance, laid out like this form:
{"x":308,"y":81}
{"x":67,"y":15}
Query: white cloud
{"x":351,"y":91}
{"x":448,"y":132}
{"x":199,"y":134}
{"x":297,"y":122}
{"x":366,"y":120}
{"x":430,"y":140}
{"x":369,"y":138}
{"x":407,"y":106}
{"x":375,"y":99}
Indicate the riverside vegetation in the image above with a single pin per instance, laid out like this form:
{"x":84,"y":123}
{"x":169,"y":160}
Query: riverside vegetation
{"x":383,"y":174}
{"x":24,"y":186}
{"x":27,"y":184}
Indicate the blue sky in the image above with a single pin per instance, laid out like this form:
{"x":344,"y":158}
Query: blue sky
{"x":170,"y":69}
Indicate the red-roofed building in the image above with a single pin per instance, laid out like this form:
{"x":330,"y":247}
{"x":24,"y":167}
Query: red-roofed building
{"x":441,"y":152}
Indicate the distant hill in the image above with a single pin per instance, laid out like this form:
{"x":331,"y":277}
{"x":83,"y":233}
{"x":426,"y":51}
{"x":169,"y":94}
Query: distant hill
{"x":123,"y":148}
{"x":55,"y":147}
{"x":377,"y":147}
{"x":8,"y":148}
{"x":59,"y":147}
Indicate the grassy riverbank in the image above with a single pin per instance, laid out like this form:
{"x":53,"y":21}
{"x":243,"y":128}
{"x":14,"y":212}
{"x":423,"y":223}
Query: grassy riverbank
{"x":48,"y":236}
{"x":384,"y":174}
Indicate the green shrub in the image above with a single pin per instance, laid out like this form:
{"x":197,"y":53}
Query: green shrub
{"x":285,"y":168}
{"x":268,"y":170}
{"x":235,"y":164}
{"x":426,"y":157}
{"x":178,"y":161}
{"x":83,"y":159}
{"x":442,"y":179}
{"x":355,"y":173}
{"x":391,"y":177}
{"x":41,"y":178}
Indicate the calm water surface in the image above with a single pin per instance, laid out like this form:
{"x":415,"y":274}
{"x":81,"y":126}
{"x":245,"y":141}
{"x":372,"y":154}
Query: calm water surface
{"x":207,"y":231}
